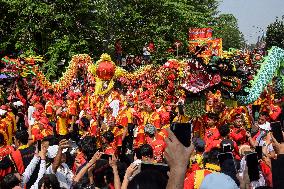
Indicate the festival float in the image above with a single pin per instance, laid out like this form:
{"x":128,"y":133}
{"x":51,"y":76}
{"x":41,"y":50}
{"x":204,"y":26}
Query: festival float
{"x":209,"y":69}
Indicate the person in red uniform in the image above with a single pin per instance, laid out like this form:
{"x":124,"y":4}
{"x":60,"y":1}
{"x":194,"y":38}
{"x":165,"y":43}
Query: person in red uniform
{"x":19,"y":159}
{"x":41,"y":129}
{"x":160,"y":109}
{"x":117,"y":133}
{"x":211,"y":132}
{"x":157,"y":145}
{"x":71,"y":108}
{"x":4,"y":125}
{"x":153,"y":117}
{"x":122,"y":119}
{"x":93,"y":130}
{"x":8,"y":122}
{"x":238,"y":132}
{"x":62,"y":120}
{"x":165,"y":122}
{"x":49,"y":106}
{"x":139,"y":135}
{"x":274,"y":110}
{"x":109,"y":145}
{"x":11,"y":118}
{"x":211,"y":165}
{"x":5,"y":150}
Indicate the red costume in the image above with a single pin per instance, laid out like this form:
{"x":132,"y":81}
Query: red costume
{"x":238,"y":135}
{"x":211,"y":135}
{"x":158,"y":146}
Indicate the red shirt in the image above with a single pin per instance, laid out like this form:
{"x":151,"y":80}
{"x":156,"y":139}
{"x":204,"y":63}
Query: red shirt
{"x":211,"y":138}
{"x":4,"y":151}
{"x":110,"y":150}
{"x":211,"y":134}
{"x":193,"y":181}
{"x":238,"y":135}
{"x":159,"y":147}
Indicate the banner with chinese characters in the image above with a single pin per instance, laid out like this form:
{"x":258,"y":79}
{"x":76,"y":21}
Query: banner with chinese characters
{"x":206,"y":48}
{"x":200,"y":33}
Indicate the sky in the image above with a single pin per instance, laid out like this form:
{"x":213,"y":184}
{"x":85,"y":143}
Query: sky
{"x":253,"y":15}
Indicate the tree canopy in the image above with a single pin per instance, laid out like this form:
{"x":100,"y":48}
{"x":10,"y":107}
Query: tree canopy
{"x":275,"y":34}
{"x":226,"y":27}
{"x":59,"y":29}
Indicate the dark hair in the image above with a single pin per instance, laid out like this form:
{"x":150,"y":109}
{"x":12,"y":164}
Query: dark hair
{"x":226,"y":142}
{"x":50,"y":91}
{"x":200,"y":149}
{"x":22,"y":136}
{"x":146,"y":150}
{"x":101,"y":169}
{"x":199,"y":145}
{"x":50,"y":181}
{"x":213,"y":116}
{"x":10,"y":181}
{"x":148,"y":179}
{"x":86,"y":123}
{"x":2,"y":139}
{"x":109,"y":136}
{"x":51,"y":139}
{"x":180,"y":109}
{"x":211,"y":156}
{"x":88,"y":145}
{"x":224,"y":130}
{"x":80,"y":185}
{"x":264,"y":113}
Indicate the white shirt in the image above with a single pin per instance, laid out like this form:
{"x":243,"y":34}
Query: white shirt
{"x":63,"y":174}
{"x":30,"y":169}
{"x":269,"y":147}
{"x":31,"y":110}
{"x":146,"y":52}
{"x":115,"y":107}
{"x":253,"y":184}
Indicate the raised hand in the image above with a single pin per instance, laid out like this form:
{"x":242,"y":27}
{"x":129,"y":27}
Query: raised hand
{"x":63,"y":144}
{"x":176,"y":153}
{"x":113,"y":161}
{"x":278,"y":147}
{"x":42,"y":153}
{"x":95,"y":157}
{"x":130,"y":170}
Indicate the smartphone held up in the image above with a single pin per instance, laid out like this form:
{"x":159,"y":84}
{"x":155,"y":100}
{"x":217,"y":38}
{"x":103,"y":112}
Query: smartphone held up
{"x":183,"y":132}
{"x":276,"y":129}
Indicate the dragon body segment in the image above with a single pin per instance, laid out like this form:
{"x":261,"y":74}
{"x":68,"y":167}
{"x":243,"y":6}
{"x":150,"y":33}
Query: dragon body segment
{"x":175,"y":73}
{"x":271,"y":65}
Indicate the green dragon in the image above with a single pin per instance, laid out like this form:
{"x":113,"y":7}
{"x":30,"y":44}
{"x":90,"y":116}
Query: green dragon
{"x":273,"y":65}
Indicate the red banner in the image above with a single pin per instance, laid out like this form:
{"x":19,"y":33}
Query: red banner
{"x":200,"y":33}
{"x":210,"y":47}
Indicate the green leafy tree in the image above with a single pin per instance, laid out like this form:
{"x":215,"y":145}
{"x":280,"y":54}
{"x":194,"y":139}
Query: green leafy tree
{"x":275,"y":34}
{"x":58,"y":29}
{"x":226,"y":27}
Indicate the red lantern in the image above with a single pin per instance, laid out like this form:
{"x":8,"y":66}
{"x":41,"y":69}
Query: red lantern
{"x":105,"y":70}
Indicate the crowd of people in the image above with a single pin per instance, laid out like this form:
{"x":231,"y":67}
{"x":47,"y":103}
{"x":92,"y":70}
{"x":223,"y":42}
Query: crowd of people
{"x":123,"y":139}
{"x":132,"y":62}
